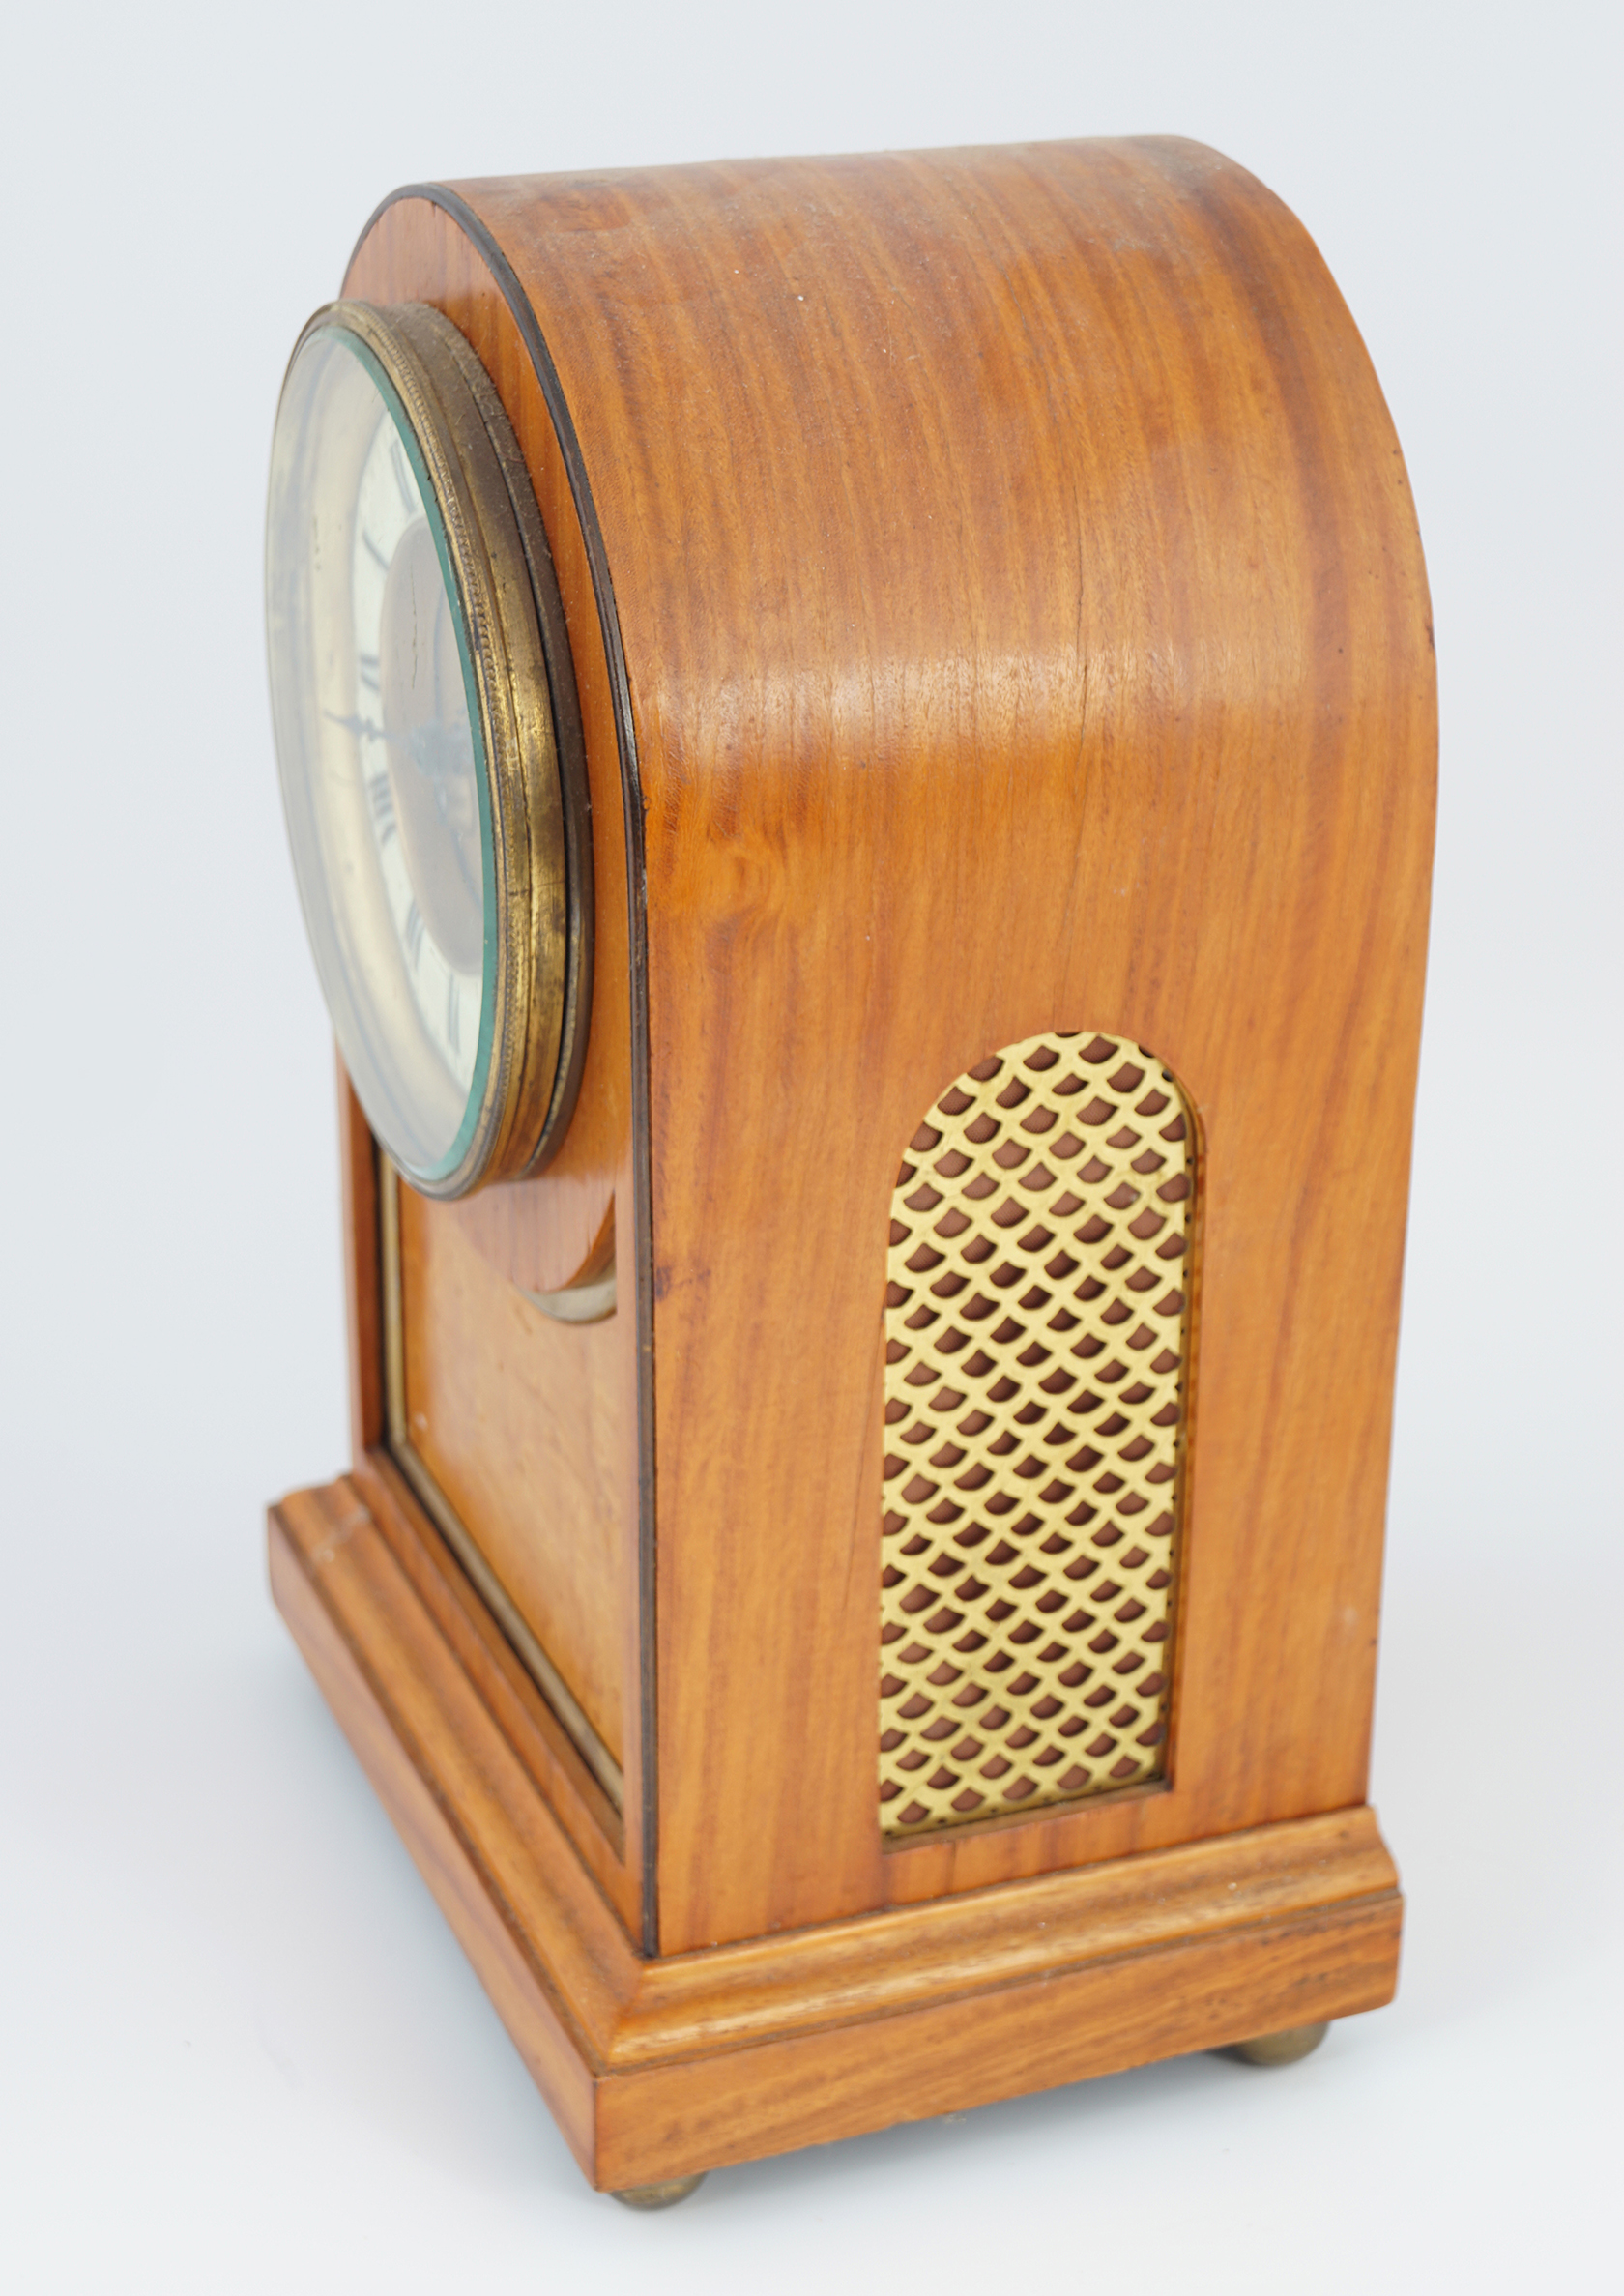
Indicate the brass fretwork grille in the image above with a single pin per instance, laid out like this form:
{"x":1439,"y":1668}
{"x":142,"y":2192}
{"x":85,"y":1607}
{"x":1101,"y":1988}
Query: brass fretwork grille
{"x":1036,"y":1343}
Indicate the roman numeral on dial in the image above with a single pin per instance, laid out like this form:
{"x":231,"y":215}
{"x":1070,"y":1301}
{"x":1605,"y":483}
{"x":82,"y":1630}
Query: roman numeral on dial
{"x":381,"y":797}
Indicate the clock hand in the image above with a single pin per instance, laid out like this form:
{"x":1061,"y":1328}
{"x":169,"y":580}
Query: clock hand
{"x":362,"y":725}
{"x":438,"y":753}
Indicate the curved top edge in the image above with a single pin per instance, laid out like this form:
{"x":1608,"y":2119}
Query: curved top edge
{"x":441,"y":196}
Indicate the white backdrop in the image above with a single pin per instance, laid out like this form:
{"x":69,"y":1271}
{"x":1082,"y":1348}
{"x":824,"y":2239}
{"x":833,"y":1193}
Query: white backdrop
{"x":240,"y":2050}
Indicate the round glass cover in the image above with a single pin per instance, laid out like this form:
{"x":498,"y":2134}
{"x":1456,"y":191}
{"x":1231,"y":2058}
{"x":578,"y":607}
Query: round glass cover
{"x":380,"y":752}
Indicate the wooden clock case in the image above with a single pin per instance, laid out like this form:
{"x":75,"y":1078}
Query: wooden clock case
{"x":995,"y":606}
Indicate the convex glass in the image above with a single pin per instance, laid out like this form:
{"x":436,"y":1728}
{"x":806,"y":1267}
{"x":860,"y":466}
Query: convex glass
{"x":418,"y":746}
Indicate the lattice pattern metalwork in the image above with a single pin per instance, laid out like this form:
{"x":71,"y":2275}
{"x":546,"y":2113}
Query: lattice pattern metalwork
{"x":1036,"y":1337}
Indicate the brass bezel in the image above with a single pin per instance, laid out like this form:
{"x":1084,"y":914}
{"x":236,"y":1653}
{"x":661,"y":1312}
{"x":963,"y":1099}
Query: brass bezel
{"x":524,"y":683}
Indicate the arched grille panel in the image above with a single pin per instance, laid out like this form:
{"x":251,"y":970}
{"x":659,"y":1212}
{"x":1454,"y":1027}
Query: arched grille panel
{"x":1036,"y":1320}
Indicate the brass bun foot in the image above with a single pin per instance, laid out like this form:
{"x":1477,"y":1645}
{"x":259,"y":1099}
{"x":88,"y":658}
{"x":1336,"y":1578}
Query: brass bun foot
{"x":1279,"y":2049}
{"x":665,"y":2195}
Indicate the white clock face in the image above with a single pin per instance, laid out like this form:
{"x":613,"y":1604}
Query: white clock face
{"x":417,"y":751}
{"x":383,"y":773}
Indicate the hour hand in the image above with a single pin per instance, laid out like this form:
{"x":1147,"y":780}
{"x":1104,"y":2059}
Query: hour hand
{"x":358,"y":725}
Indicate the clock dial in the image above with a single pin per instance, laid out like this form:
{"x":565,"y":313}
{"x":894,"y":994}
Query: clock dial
{"x":417,"y":754}
{"x":439,"y":844}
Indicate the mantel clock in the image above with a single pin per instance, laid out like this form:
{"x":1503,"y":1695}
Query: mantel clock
{"x":857,"y":739}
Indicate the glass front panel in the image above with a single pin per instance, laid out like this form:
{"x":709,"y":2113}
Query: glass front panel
{"x":378,"y":746}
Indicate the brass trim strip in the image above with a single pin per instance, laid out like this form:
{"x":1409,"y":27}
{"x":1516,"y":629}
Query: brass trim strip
{"x":535,"y":810}
{"x":566,"y":1708}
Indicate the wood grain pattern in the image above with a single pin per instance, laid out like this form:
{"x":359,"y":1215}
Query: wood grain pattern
{"x":396,"y":1690}
{"x":1026,"y":628}
{"x":593,"y":1825}
{"x":1069,"y":2024}
{"x":656,"y":2067}
{"x":526,"y":1426}
{"x":541,"y":1235}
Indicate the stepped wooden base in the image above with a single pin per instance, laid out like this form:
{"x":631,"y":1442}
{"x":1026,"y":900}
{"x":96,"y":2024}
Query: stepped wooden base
{"x":657,"y":2070}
